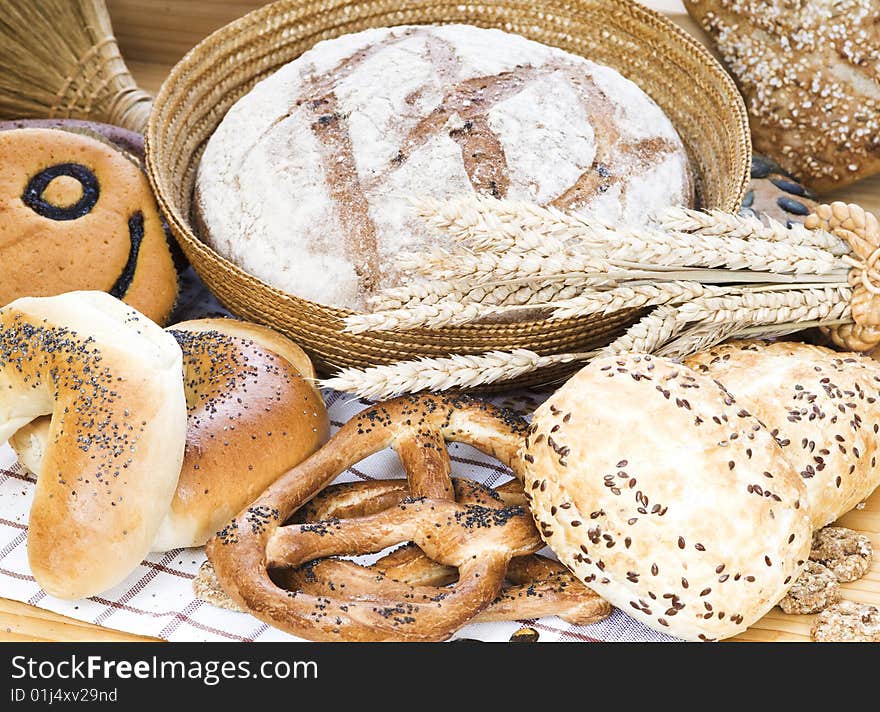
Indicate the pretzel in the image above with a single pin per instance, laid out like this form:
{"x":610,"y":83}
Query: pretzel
{"x":476,"y":539}
{"x":535,"y":585}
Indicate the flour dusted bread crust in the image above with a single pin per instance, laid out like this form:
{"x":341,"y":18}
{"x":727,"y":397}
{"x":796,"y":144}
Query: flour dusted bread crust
{"x":305,"y":183}
{"x":111,"y":380}
{"x":252,"y":414}
{"x":821,"y":406}
{"x":810,"y":73}
{"x":660,"y":491}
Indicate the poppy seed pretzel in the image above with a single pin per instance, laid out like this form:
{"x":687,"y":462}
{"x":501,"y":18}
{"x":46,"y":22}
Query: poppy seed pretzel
{"x":535,"y":585}
{"x":479,"y":541}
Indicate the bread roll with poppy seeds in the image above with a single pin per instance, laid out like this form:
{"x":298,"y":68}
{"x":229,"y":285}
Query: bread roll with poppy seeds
{"x":110,"y":377}
{"x":253,"y":412}
{"x":642,"y":477}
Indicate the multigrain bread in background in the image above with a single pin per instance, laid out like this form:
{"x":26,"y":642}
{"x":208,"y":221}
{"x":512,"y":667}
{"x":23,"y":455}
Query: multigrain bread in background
{"x":810,"y":74}
{"x":111,"y":380}
{"x":642,"y":478}
{"x":253,"y":412}
{"x":821,"y":406}
{"x":306,"y":182}
{"x":77,"y":213}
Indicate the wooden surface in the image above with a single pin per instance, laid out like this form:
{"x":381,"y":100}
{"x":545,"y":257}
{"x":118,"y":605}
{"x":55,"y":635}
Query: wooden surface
{"x":153,"y":35}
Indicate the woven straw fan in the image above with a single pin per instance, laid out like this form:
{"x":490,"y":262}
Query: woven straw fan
{"x":60,"y":60}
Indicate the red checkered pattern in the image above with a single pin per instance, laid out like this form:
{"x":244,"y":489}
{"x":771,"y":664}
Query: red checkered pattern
{"x":157,"y":598}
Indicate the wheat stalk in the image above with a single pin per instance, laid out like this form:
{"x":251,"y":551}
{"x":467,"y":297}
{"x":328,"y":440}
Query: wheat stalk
{"x":479,"y":268}
{"x":499,"y":293}
{"x":448,"y":312}
{"x":628,"y":297}
{"x":514,"y":257}
{"x":649,"y":333}
{"x":699,"y":338}
{"x":505,"y":228}
{"x":431,"y":316}
{"x":718,"y":222}
{"x":481,"y":221}
{"x":441,"y":374}
{"x":770,"y":307}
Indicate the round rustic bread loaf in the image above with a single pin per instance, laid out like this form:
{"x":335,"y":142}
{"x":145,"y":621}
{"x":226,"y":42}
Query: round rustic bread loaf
{"x":650,"y":482}
{"x":305,"y":183}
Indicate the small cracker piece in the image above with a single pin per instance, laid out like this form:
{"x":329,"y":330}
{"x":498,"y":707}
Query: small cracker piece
{"x":847,"y":622}
{"x":207,"y":588}
{"x":813,"y":591}
{"x":845,"y":552}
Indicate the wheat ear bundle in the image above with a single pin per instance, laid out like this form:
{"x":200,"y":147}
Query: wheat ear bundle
{"x":706,"y":276}
{"x":60,"y":60}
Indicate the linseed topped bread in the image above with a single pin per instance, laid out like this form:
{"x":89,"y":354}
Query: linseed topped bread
{"x":305,"y":183}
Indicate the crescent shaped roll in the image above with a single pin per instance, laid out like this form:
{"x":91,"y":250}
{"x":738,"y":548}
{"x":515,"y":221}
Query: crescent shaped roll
{"x":252,"y":414}
{"x":111,"y":379}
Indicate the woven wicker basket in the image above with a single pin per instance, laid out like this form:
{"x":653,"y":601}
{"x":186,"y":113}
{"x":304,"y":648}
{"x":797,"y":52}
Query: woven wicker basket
{"x":672,"y":68}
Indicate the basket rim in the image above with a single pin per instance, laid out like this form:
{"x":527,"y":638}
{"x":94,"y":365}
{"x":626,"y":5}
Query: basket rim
{"x":257,"y":16}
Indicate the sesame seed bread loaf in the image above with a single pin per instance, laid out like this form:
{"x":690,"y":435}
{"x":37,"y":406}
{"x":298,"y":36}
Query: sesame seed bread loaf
{"x":642,"y":478}
{"x":306,"y":182}
{"x":111,"y":380}
{"x":810,"y":74}
{"x":822,"y":406}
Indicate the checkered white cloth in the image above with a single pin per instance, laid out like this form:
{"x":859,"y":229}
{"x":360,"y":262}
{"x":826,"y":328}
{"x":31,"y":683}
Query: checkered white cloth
{"x":157,"y":599}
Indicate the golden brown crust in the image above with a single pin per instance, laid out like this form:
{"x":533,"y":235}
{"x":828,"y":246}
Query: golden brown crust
{"x":535,"y":586}
{"x":111,"y":379}
{"x":809,"y":72}
{"x":251,"y":417}
{"x":263,"y":335}
{"x":116,"y":244}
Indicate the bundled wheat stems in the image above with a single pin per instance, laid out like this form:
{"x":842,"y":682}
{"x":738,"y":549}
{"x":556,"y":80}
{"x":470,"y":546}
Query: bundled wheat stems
{"x":706,"y":277}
